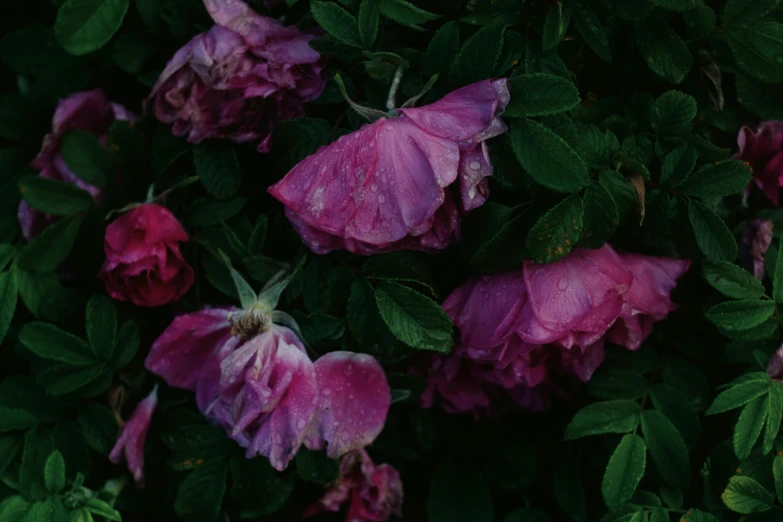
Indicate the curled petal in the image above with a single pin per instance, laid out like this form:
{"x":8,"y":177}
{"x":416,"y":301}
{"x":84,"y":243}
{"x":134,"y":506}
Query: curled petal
{"x":130,"y":444}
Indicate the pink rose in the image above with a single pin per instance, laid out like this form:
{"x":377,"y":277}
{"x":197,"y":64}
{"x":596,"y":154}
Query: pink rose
{"x":374,"y":492}
{"x":386,"y":186}
{"x":763,"y":151}
{"x":130,"y":444}
{"x":143,"y":262}
{"x":239,"y":79}
{"x":256,"y":379}
{"x":88,"y":111}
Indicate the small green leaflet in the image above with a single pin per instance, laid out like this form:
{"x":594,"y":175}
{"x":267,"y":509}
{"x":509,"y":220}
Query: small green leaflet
{"x":744,"y":495}
{"x":731,"y":280}
{"x":714,"y":238}
{"x":51,"y":247}
{"x":568,"y":488}
{"x":677,"y":166}
{"x":749,"y":426}
{"x":619,"y":416}
{"x":757,"y":50}
{"x":442,"y":49}
{"x":617,"y":384}
{"x":48,"y":341}
{"x":556,"y":25}
{"x":679,"y":6}
{"x":203,"y":489}
{"x":777,"y":471}
{"x":369,"y":17}
{"x":740,"y":315}
{"x":774,"y":416}
{"x":54,"y":473}
{"x":86,"y":157}
{"x":9,"y":292}
{"x":84,"y":26}
{"x":673,"y":113}
{"x":478,"y":56}
{"x":694,"y":515}
{"x":601,"y":215}
{"x":540,"y":94}
{"x":667,"y":448}
{"x":406,"y":13}
{"x":336,"y":21}
{"x":218,"y":167}
{"x":54,"y":197}
{"x":459,"y":493}
{"x":624,"y":471}
{"x":589,"y":26}
{"x":413,"y":318}
{"x":101,"y":326}
{"x":721,"y":179}
{"x":737,"y":396}
{"x":741,"y":11}
{"x":663,"y":50}
{"x":557,"y":231}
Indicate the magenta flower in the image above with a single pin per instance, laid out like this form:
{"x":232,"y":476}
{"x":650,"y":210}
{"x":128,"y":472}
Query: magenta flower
{"x":89,"y":111}
{"x":520,"y":328}
{"x":755,"y":242}
{"x":130,"y":444}
{"x":763,"y":151}
{"x":143,"y":261}
{"x":239,"y":79}
{"x":256,"y":379}
{"x":374,"y":492}
{"x":775,"y":365}
{"x":386,"y":186}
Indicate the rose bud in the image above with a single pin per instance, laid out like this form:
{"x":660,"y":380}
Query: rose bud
{"x":143,"y":261}
{"x":763,"y":151}
{"x":239,"y":79}
{"x":374,"y":492}
{"x":756,"y":240}
{"x":130,"y":444}
{"x":88,"y":111}
{"x":387,"y":186}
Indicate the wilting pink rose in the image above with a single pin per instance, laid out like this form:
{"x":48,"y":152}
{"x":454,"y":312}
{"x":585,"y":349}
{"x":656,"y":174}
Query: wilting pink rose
{"x":521,"y":327}
{"x":143,"y":262}
{"x":388,"y":186}
{"x":239,"y":79}
{"x":130,"y":444}
{"x":755,"y":242}
{"x":88,"y":111}
{"x":374,"y":492}
{"x":763,"y":151}
{"x":775,"y":365}
{"x":257,"y":381}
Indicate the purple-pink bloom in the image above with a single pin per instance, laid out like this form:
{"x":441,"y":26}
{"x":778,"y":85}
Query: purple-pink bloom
{"x":239,"y":79}
{"x":775,"y":365}
{"x":520,"y":328}
{"x":88,"y":111}
{"x":755,"y":242}
{"x":762,"y":149}
{"x":374,"y":492}
{"x":258,"y":382}
{"x":130,"y":444}
{"x":387,"y":186}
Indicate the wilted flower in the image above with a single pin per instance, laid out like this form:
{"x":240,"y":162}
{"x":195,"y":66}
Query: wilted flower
{"x":256,"y":379}
{"x":88,"y":111}
{"x":386,"y":186}
{"x":239,"y":79}
{"x":130,"y":444}
{"x":755,"y":242}
{"x":763,"y":151}
{"x":519,"y":327}
{"x":374,"y":492}
{"x":143,"y":262}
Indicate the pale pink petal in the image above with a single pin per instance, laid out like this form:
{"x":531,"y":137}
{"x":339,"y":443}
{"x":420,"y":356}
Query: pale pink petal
{"x":775,"y":365}
{"x":474,"y":169}
{"x":130,"y":444}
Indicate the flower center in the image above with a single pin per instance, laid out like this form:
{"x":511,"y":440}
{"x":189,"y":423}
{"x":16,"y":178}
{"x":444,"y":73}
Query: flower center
{"x":251,"y":322}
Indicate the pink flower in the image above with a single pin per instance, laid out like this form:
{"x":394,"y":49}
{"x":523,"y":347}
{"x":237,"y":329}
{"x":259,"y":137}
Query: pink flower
{"x":763,"y":151}
{"x":386,"y":186}
{"x":755,"y":242}
{"x":130,"y":444}
{"x":89,"y":111}
{"x":239,"y":79}
{"x":374,"y":492}
{"x":775,"y":365}
{"x":143,"y":262}
{"x":256,"y":379}
{"x":520,"y":328}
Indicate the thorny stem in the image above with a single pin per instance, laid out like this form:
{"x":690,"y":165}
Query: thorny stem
{"x":391,"y":101}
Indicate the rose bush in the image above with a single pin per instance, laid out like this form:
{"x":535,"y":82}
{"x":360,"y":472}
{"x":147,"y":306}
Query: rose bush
{"x":373,"y":260}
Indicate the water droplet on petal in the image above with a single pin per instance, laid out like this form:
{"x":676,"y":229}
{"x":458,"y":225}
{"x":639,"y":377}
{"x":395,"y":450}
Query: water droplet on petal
{"x":300,"y":424}
{"x":348,"y":369}
{"x":562,"y":284}
{"x":475,"y":165}
{"x":381,"y":199}
{"x":374,"y":187}
{"x":326,"y":392}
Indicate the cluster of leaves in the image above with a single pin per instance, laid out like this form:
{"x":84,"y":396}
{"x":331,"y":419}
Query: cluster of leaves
{"x":622,"y":123}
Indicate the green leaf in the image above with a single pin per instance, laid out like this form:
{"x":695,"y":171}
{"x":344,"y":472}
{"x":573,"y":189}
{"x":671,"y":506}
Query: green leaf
{"x":540,"y":95}
{"x":714,"y":238}
{"x":557,"y":231}
{"x":301,"y":137}
{"x":54,"y":473}
{"x":316,"y":467}
{"x":555,"y":27}
{"x":774,"y":416}
{"x":477,"y":58}
{"x":777,"y":281}
{"x":617,"y":384}
{"x":9,"y":294}
{"x":721,"y":179}
{"x":749,"y":426}
{"x":550,"y":161}
{"x":63,"y":379}
{"x":679,"y":6}
{"x":777,"y":472}
{"x":527,"y":515}
{"x":619,"y":416}
{"x":203,"y":489}
{"x":589,"y":26}
{"x":601,"y":215}
{"x":442,"y":49}
{"x":757,"y":49}
{"x":369,"y":17}
{"x":667,"y":448}
{"x":51,"y":247}
{"x":731,"y":280}
{"x":258,"y":489}
{"x":759,"y":98}
{"x":624,"y":471}
{"x":127,"y":344}
{"x":694,"y":515}
{"x":38,"y":446}
{"x":399,"y":267}
{"x":663,"y":50}
{"x":459,"y":493}
{"x":677,"y":166}
{"x":101,"y":508}
{"x":336,"y":21}
{"x":738,"y":396}
{"x":413,"y":318}
{"x":208,"y":211}
{"x":14,"y":509}
{"x":101,"y":326}
{"x":218,"y":167}
{"x":740,"y":315}
{"x":86,"y":157}
{"x":506,"y":248}
{"x":9,"y":448}
{"x":673,"y":113}
{"x":33,"y":286}
{"x":48,"y":341}
{"x":84,"y":26}
{"x":745,"y":495}
{"x":99,"y":427}
{"x":677,"y":408}
{"x":406,"y":13}
{"x":13,"y":419}
{"x":742,"y":11}
{"x":54,"y":197}
{"x":568,"y":488}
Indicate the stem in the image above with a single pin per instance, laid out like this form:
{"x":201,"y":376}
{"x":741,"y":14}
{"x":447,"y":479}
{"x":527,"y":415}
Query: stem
{"x":391,"y":101}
